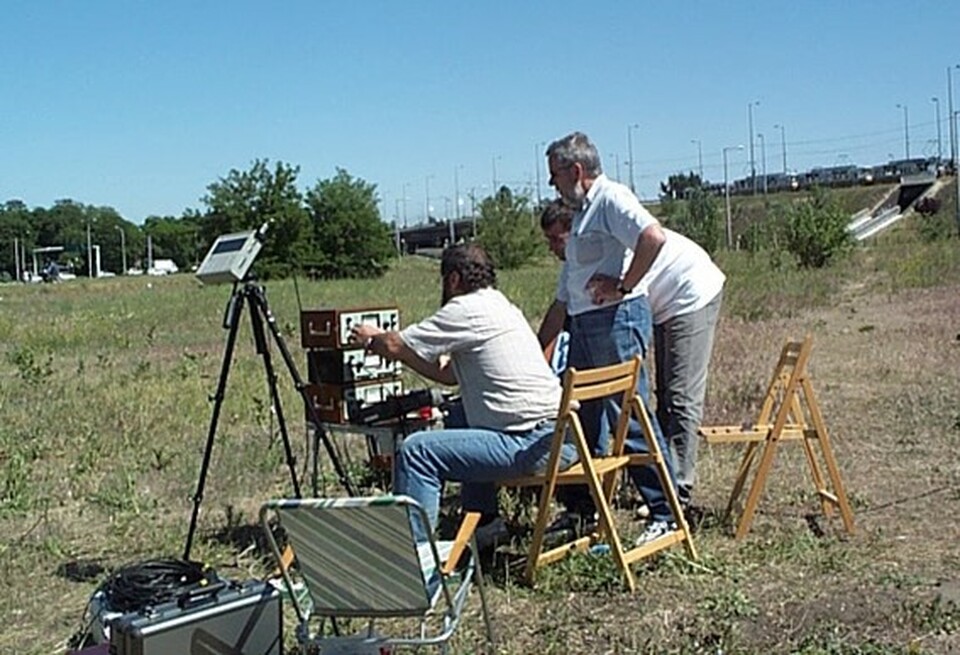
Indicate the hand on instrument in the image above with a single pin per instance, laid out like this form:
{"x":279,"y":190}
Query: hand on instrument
{"x":362,"y":334}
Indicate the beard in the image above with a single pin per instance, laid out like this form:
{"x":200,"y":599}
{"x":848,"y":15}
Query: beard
{"x":575,"y":198}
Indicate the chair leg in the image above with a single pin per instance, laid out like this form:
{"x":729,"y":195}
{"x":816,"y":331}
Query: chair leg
{"x":753,"y":497}
{"x":482,"y":590}
{"x":539,"y":532}
{"x":833,"y":470}
{"x":465,"y":532}
{"x":817,"y":476}
{"x":745,"y":464}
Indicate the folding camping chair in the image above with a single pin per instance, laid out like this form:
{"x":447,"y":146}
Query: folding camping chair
{"x":599,"y":473}
{"x":357,"y":558}
{"x":790,"y":412}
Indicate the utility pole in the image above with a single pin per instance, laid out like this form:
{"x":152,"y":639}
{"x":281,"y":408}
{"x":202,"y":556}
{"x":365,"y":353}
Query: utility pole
{"x":123,"y":248}
{"x":783,"y":144}
{"x":699,"y":156}
{"x":726,"y":193}
{"x":906,"y":131}
{"x":936,"y":101}
{"x":630,"y":128}
{"x":753,"y":161}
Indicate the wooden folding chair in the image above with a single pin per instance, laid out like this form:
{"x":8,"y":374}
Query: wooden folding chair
{"x":790,"y":412}
{"x":599,"y":473}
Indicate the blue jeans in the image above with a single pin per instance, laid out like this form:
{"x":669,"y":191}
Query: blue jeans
{"x":607,"y":336}
{"x":476,"y":457}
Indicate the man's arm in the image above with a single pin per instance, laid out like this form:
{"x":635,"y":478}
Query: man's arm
{"x":552,"y":325}
{"x":390,"y":346}
{"x":606,"y":288}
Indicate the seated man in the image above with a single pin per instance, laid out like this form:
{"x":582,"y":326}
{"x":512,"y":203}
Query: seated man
{"x":481,"y":341}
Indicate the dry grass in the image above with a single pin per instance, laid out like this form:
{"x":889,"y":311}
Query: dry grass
{"x":104,"y":411}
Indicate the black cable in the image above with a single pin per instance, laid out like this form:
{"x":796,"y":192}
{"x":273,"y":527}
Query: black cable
{"x":137,"y":586}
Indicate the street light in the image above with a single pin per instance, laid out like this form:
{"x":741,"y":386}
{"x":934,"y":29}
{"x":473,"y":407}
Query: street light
{"x":630,"y":129}
{"x":753,"y":161}
{"x":783,"y":144}
{"x":89,"y":253}
{"x":123,"y":247}
{"x":726,"y":193}
{"x":936,"y":101}
{"x":616,"y":164}
{"x":956,"y":178}
{"x":427,"y":206}
{"x":456,"y":187}
{"x":699,"y":156}
{"x":953,"y":131}
{"x":906,"y":131}
{"x":763,"y":160}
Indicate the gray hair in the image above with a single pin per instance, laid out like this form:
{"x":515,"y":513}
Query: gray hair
{"x":576,"y":148}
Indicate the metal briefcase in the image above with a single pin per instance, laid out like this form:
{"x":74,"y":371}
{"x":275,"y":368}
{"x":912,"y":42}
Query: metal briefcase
{"x":224,"y":619}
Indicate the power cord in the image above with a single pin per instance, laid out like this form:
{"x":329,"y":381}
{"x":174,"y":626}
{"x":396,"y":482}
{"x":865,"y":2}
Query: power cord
{"x":136,"y":586}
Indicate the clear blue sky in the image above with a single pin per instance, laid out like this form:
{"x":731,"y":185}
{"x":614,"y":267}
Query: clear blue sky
{"x":141,"y":105}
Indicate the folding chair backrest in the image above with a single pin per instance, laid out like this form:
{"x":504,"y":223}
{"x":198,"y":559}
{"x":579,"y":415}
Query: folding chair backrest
{"x":792,"y":363}
{"x":357,"y":556}
{"x":583,"y":385}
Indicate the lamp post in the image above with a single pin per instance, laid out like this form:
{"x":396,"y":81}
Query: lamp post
{"x":936,"y":101}
{"x":396,"y":224}
{"x":763,"y":160}
{"x":456,"y":188}
{"x":630,"y":129}
{"x":427,"y":200}
{"x":906,"y":131}
{"x":753,"y":161}
{"x":726,"y":193}
{"x":699,"y":157}
{"x":123,"y":248}
{"x":953,"y":131}
{"x":956,"y":178}
{"x":89,"y":253}
{"x":783,"y":144}
{"x":494,"y":162}
{"x":616,"y":164}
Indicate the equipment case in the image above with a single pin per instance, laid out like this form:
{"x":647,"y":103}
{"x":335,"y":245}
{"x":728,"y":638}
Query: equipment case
{"x":240,"y":619}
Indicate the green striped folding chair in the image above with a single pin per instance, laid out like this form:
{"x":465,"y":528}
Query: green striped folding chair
{"x":357,"y":558}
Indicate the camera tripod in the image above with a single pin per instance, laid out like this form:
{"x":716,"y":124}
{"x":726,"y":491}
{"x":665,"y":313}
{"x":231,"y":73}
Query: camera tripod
{"x":254,"y":295}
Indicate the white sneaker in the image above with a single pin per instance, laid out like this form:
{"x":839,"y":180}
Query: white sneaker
{"x":655,"y":530}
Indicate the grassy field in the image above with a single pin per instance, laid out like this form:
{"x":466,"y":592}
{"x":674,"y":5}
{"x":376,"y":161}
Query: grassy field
{"x":105,"y":392}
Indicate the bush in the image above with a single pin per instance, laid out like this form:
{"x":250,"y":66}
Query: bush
{"x":817,"y":230}
{"x":508,"y":231}
{"x":698,"y":219}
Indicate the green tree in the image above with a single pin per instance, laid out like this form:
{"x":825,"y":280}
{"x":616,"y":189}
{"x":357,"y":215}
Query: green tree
{"x":15,"y":227}
{"x":698,"y":218}
{"x":174,"y":238}
{"x":680,"y":185}
{"x":816,"y":230}
{"x":508,"y":230}
{"x":246,"y":200}
{"x":350,"y":239}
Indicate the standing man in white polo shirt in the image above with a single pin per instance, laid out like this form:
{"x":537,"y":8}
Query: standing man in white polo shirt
{"x":613,"y":242}
{"x":685,"y":291}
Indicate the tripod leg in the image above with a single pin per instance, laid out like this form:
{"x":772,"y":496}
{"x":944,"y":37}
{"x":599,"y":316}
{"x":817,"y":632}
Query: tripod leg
{"x":263,"y":349}
{"x":231,"y":321}
{"x":261,"y":301}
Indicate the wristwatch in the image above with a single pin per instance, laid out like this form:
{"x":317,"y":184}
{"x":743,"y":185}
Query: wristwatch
{"x":624,"y":291}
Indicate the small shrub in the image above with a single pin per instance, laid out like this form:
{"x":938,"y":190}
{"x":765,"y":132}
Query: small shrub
{"x":817,"y":230}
